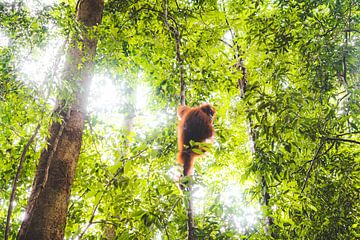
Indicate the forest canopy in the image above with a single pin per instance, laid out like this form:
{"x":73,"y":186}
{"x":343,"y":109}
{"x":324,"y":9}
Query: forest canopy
{"x":88,"y":127}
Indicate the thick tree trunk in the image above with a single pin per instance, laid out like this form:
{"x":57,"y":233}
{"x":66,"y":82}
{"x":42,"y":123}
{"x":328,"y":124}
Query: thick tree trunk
{"x":47,"y":207}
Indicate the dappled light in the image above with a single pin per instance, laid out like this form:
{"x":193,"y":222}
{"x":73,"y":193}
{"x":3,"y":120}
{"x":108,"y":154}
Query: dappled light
{"x":4,"y":40}
{"x":105,"y":95}
{"x":141,"y":97}
{"x":245,"y":215}
{"x":228,"y":37}
{"x":182,"y":119}
{"x":109,"y":102}
{"x":237,"y":212}
{"x":40,"y":66}
{"x":22,"y":216}
{"x":34,"y":6}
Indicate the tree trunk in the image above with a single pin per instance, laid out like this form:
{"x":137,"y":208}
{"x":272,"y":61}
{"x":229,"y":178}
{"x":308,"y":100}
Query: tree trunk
{"x":47,"y":206}
{"x":265,"y":196}
{"x":190,"y":213}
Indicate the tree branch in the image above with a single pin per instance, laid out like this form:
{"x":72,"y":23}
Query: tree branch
{"x":14,"y":186}
{"x":311,"y":166}
{"x":177,"y":37}
{"x":190,"y":212}
{"x":351,"y":30}
{"x":118,"y":171}
{"x":342,"y":140}
{"x":349,"y":133}
{"x":168,"y":218}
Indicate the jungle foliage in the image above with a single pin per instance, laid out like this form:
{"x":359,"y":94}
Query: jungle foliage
{"x":286,"y":159}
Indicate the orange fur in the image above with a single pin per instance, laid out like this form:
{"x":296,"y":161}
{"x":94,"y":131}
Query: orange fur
{"x":196,"y":124}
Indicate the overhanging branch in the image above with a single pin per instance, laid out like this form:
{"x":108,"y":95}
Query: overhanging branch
{"x":342,"y":140}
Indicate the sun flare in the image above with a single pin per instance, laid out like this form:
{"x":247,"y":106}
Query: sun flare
{"x":237,"y":212}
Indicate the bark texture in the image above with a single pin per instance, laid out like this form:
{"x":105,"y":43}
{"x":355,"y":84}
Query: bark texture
{"x":47,"y":206}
